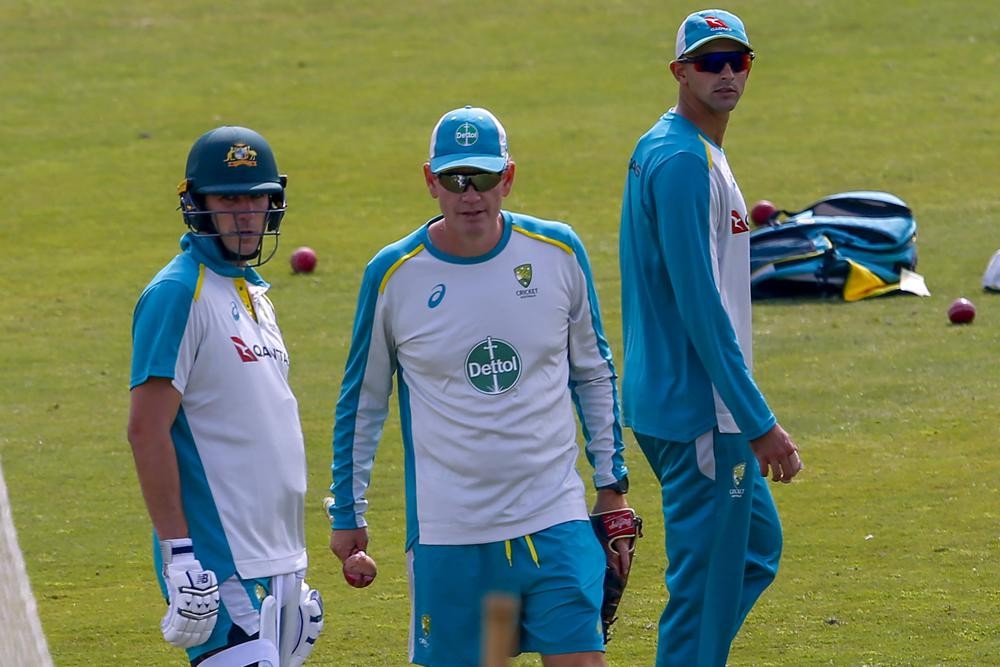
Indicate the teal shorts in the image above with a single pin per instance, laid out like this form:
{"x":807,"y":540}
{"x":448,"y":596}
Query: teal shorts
{"x":558,"y":575}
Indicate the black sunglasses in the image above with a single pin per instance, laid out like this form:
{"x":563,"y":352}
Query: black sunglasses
{"x":481,"y":182}
{"x":716,"y":62}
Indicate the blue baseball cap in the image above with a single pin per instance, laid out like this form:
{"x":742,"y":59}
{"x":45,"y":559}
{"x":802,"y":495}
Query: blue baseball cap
{"x":468,"y":137}
{"x":702,"y":27}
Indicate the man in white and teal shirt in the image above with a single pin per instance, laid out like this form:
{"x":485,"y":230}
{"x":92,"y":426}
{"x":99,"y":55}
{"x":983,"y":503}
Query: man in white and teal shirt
{"x":688,"y":392}
{"x":490,"y":324}
{"x":213,"y":423}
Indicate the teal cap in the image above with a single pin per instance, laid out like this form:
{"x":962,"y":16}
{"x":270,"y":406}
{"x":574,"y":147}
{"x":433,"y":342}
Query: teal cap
{"x":468,"y":137}
{"x":709,"y":24}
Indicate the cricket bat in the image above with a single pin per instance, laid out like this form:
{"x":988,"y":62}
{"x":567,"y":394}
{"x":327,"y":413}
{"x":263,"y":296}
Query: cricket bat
{"x":500,"y":614}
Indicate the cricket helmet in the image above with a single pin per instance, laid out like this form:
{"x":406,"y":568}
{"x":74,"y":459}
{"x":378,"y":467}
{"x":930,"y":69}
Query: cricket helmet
{"x":231,"y":160}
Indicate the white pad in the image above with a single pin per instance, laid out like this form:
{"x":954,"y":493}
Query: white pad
{"x":294,"y":623}
{"x":269,"y":613}
{"x":259,"y":651}
{"x":301,"y":624}
{"x":991,"y":278}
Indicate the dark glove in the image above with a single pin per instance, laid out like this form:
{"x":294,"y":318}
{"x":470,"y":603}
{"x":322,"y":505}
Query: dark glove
{"x":623,"y":524}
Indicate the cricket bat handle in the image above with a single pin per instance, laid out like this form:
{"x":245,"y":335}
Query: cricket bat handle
{"x":500,"y":613}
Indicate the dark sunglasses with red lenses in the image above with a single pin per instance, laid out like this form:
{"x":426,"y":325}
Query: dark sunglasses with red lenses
{"x":716,"y":62}
{"x":481,"y":182}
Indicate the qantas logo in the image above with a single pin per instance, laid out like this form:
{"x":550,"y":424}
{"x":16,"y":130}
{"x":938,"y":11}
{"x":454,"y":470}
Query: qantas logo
{"x":716,"y":23}
{"x":246,"y":354}
{"x":738,"y":223}
{"x":250,"y":354}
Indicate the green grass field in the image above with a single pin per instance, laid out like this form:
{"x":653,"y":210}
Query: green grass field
{"x":892,"y":533}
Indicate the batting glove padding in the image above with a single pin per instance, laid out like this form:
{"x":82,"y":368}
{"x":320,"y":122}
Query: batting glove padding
{"x":610,"y":527}
{"x":193,"y":593}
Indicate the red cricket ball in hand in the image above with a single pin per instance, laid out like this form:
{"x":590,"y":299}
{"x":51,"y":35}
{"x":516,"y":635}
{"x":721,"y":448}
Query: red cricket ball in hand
{"x":359,"y":569}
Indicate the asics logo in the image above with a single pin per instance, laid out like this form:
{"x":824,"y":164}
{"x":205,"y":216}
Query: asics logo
{"x":437,"y":295}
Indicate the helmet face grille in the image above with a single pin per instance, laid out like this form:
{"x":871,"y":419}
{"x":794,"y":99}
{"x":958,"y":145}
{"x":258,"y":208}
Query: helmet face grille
{"x":200,"y":220}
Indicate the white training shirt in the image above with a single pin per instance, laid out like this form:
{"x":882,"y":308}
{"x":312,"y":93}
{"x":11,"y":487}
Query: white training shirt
{"x":490,"y":354}
{"x":237,"y":435}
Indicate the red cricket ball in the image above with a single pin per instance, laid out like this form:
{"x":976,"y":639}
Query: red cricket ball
{"x":961,"y":311}
{"x":303,"y":260}
{"x":762,"y":212}
{"x":359,"y":569}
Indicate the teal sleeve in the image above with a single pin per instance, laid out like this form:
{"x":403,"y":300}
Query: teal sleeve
{"x":361,"y":408}
{"x":681,"y":192}
{"x":158,"y":325}
{"x":595,"y":393}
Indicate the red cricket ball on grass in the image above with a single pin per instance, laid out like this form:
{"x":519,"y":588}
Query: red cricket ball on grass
{"x":303,"y":260}
{"x":762,"y":212}
{"x":961,"y":311}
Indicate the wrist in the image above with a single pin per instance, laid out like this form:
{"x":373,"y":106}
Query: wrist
{"x":177,"y":550}
{"x":620,"y":486}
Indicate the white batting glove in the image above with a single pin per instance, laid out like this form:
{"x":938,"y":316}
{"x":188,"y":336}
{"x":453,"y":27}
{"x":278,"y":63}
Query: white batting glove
{"x":194,"y":596}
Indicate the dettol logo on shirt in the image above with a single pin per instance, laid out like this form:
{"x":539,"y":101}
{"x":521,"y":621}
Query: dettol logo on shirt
{"x":493,"y":366}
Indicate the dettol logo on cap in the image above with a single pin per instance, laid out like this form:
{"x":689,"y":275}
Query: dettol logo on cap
{"x":466,"y":134}
{"x":493,"y":366}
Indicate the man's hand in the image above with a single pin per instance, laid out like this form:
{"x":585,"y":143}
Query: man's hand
{"x":775,"y":450}
{"x":618,"y":552}
{"x":193,"y":594}
{"x":349,"y":546}
{"x":345,"y":542}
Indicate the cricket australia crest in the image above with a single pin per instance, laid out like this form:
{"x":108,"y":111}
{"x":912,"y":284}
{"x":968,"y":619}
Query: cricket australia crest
{"x":523,"y":273}
{"x":425,"y":629}
{"x":739,"y":471}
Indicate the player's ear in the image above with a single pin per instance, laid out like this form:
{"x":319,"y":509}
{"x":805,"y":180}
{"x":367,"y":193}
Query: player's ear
{"x":677,"y":70}
{"x":430,"y":180}
{"x":508,"y":178}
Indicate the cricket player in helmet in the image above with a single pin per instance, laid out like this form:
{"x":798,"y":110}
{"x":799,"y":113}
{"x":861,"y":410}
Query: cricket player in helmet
{"x":214,"y":426}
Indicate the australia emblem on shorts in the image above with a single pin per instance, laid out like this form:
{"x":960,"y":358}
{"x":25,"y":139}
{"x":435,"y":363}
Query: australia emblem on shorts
{"x":425,"y":628}
{"x":739,"y":470}
{"x":493,"y":366}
